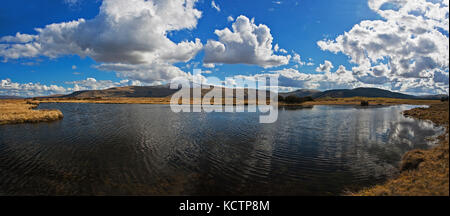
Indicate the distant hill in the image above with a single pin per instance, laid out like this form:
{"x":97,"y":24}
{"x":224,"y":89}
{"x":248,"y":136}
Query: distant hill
{"x":136,"y":91}
{"x":358,"y":92}
{"x":369,"y":92}
{"x":129,"y":91}
{"x":164,"y":91}
{"x":49,"y":96}
{"x":432,"y":97}
{"x":301,"y":93}
{"x":246,"y":91}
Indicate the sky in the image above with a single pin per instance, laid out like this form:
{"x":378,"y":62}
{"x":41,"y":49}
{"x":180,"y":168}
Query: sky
{"x":60,"y":46}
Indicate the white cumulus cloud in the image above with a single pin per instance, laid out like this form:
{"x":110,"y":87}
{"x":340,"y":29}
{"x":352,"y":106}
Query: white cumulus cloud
{"x":246,"y":43}
{"x":125,"y":32}
{"x":297,"y":59}
{"x":325,"y":67}
{"x":409,"y":47}
{"x":93,"y":84}
{"x":7,"y":87}
{"x":290,"y":79}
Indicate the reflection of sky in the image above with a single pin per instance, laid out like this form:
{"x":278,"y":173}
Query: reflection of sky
{"x":347,"y":143}
{"x":372,"y":140}
{"x":310,"y":151}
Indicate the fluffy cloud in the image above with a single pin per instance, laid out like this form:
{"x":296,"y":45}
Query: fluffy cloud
{"x":7,"y":87}
{"x":125,"y":32}
{"x":409,"y":47}
{"x":297,"y":59}
{"x":325,"y":67}
{"x":246,"y":43}
{"x":18,"y":38}
{"x":209,"y":65}
{"x":290,"y":79}
{"x":159,"y":71}
{"x":339,"y":79}
{"x":277,"y":48}
{"x":93,"y":84}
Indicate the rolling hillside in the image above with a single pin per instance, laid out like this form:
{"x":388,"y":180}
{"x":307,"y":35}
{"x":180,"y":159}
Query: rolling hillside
{"x":370,"y":92}
{"x":301,"y":93}
{"x":129,"y":91}
{"x":136,"y":91}
{"x":164,"y":91}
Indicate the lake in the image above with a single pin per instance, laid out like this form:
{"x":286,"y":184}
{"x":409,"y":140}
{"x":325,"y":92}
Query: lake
{"x":100,"y":149}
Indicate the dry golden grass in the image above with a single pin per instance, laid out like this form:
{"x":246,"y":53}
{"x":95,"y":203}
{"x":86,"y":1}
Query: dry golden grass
{"x":121,"y":100}
{"x":22,"y":111}
{"x":430,"y":174}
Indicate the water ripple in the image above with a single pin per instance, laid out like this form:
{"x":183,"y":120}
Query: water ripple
{"x":149,"y":150}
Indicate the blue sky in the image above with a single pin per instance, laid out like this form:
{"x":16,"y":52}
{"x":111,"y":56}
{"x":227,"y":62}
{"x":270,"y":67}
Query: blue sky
{"x":295,"y":26}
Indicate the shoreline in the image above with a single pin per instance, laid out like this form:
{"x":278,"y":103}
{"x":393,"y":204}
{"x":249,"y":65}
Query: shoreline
{"x":324,"y":101}
{"x":17,"y":111}
{"x":422,"y":172}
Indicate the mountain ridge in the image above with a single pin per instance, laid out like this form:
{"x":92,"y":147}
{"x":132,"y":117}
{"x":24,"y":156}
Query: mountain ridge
{"x":371,"y":93}
{"x":165,"y":91}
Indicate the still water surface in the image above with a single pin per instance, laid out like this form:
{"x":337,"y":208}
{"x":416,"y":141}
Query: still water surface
{"x":100,"y":149}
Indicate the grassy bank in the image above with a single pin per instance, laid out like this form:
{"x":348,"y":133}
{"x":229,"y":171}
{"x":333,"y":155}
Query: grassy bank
{"x":22,"y":111}
{"x":137,"y":100}
{"x":423,"y":172}
{"x":109,"y":100}
{"x":166,"y":100}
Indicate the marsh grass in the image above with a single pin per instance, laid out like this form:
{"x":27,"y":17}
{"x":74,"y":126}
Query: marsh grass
{"x":23,"y":111}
